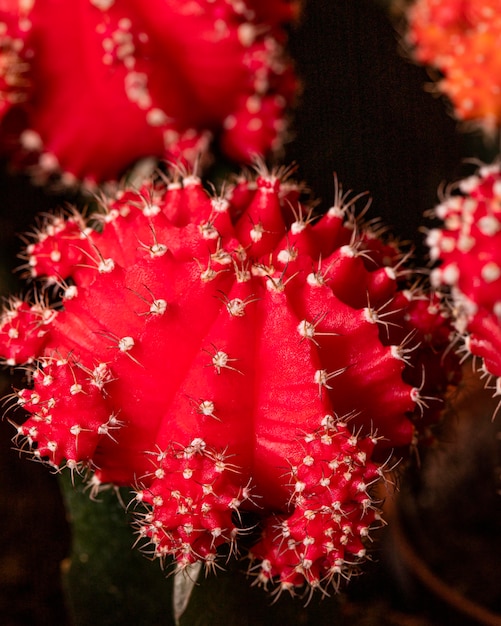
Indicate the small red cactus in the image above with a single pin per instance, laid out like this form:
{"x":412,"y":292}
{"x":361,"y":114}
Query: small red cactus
{"x":461,"y":39}
{"x":100,"y":84}
{"x":468,"y":245}
{"x":224,"y":354}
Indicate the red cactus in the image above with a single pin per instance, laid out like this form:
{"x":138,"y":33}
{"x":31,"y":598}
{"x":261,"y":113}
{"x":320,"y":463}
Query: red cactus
{"x":226,"y":354}
{"x":460,"y":38}
{"x":468,"y":245}
{"x":101,"y":84}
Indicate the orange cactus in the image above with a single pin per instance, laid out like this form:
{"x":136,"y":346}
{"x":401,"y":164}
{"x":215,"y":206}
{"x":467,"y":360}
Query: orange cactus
{"x":461,"y":39}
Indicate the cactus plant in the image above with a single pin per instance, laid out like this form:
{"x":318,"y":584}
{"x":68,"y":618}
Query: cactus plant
{"x":229,"y":354}
{"x":459,"y":38}
{"x":466,"y":245}
{"x":89,"y":87}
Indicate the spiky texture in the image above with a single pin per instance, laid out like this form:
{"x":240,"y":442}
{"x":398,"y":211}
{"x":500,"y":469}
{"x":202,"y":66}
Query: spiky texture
{"x":90,"y":86}
{"x":461,"y":39}
{"x":468,"y":246}
{"x":229,"y":353}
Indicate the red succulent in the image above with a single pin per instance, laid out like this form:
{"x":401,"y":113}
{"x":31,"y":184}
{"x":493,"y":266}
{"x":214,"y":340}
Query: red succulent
{"x":225,"y":354}
{"x":88,"y":87}
{"x":468,"y":246}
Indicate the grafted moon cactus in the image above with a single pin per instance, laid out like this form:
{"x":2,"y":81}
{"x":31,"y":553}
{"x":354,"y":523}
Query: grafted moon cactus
{"x":224,"y":354}
{"x":468,"y":246}
{"x":90,"y":86}
{"x":460,"y":38}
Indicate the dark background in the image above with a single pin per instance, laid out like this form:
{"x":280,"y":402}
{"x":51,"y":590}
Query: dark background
{"x":365,"y":115}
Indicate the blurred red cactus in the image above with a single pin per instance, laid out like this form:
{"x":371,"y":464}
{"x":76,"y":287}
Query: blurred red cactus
{"x":88,"y":87}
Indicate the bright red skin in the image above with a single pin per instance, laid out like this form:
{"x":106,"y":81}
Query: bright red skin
{"x":103,"y":88}
{"x":468,"y":247}
{"x":213,"y":382}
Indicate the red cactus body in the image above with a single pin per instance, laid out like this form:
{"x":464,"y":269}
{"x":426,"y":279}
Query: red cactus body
{"x":468,"y":245}
{"x":101,"y":84}
{"x":461,"y":39}
{"x":225,"y":354}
